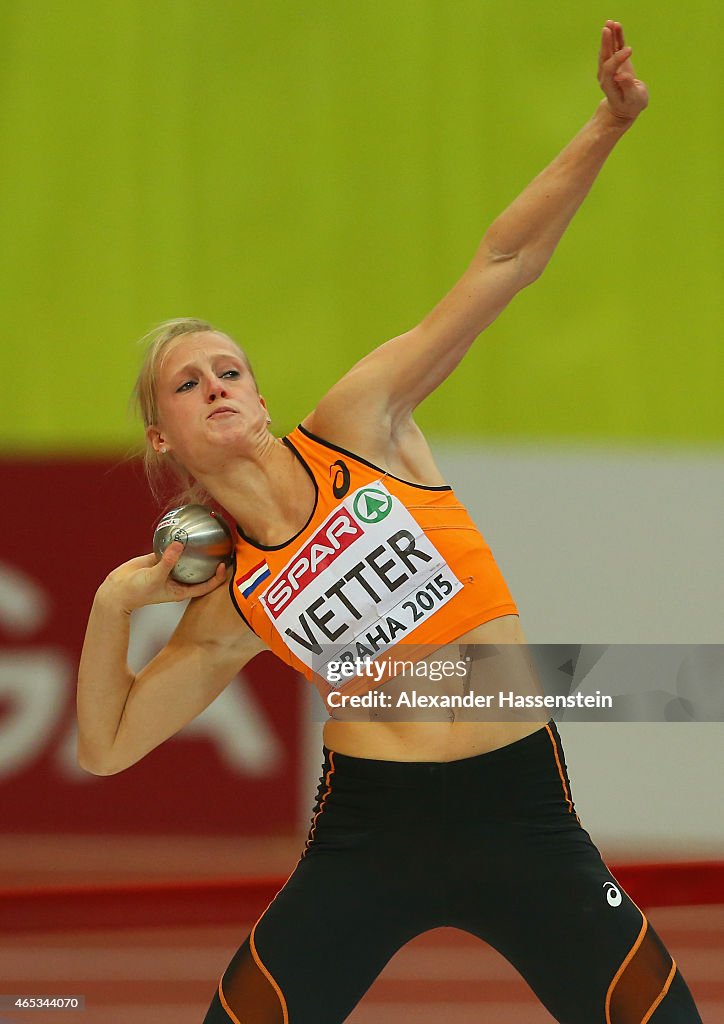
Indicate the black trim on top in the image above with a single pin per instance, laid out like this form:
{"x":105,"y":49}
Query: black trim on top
{"x":232,"y":595}
{"x":366,"y":462}
{"x":278,"y":547}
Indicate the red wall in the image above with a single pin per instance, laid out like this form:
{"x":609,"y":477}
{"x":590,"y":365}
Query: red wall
{"x":63,"y":526}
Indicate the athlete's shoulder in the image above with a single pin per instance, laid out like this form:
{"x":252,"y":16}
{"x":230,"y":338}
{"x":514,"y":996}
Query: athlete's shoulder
{"x":331,"y":424}
{"x":401,"y":451}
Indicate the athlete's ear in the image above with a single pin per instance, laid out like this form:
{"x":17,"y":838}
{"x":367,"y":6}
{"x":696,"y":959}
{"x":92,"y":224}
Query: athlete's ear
{"x":264,"y":407}
{"x":156,"y":440}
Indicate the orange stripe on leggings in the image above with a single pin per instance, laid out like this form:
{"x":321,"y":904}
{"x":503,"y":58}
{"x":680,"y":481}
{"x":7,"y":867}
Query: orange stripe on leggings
{"x":560,"y":771}
{"x":663,"y":992}
{"x":623,"y":966}
{"x":257,"y":959}
{"x":328,"y":780}
{"x":226,"y":1005}
{"x":265,"y":972}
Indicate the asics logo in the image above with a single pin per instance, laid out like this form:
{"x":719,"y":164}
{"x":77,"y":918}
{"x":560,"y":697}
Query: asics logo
{"x":613,"y":895}
{"x":340,"y":484}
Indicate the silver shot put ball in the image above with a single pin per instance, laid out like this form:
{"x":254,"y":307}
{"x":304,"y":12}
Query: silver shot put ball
{"x":207,"y":540}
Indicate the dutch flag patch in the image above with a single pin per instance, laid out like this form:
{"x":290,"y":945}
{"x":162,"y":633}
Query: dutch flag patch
{"x":251,"y":580}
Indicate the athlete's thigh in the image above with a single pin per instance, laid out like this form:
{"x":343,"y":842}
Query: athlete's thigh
{"x":584,"y":947}
{"x":319,"y":945}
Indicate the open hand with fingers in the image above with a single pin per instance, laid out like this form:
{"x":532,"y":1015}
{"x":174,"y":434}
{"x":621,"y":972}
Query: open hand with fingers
{"x":627,"y":96}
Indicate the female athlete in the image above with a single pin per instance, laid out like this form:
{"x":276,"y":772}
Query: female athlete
{"x":341,"y":526}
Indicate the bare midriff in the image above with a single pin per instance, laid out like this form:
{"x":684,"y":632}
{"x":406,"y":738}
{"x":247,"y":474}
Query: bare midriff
{"x":379,"y":734}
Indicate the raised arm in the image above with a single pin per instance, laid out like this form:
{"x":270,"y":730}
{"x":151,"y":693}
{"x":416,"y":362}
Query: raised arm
{"x":121,"y":715}
{"x":515,"y":249}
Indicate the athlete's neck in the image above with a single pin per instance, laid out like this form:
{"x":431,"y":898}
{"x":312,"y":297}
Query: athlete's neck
{"x":270,"y":494}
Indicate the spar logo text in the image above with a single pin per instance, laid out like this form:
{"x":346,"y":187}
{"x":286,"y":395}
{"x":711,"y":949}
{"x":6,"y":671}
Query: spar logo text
{"x":330,"y":540}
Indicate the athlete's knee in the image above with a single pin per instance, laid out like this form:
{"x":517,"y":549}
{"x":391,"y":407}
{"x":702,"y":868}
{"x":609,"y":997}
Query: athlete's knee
{"x":247,"y":993}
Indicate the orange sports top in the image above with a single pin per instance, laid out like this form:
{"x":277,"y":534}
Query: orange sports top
{"x":380,"y":563}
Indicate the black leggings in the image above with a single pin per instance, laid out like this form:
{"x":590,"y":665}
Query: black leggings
{"x":490,"y":844}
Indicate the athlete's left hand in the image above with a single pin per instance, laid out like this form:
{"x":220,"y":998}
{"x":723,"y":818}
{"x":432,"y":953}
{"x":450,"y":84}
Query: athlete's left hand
{"x":625,"y":94}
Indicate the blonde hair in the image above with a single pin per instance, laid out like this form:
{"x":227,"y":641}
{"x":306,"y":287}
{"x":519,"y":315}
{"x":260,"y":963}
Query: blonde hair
{"x":161,"y":470}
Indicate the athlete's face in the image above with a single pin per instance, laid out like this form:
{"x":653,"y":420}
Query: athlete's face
{"x":206,"y":396}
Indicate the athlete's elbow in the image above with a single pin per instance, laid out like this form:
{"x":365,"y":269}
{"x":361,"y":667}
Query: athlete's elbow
{"x":97,"y":762}
{"x":100,"y":769}
{"x":96,"y":767}
{"x":530,"y":268}
{"x":514,"y":269}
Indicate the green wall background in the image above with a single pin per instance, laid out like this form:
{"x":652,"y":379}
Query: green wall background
{"x":313,"y":178}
